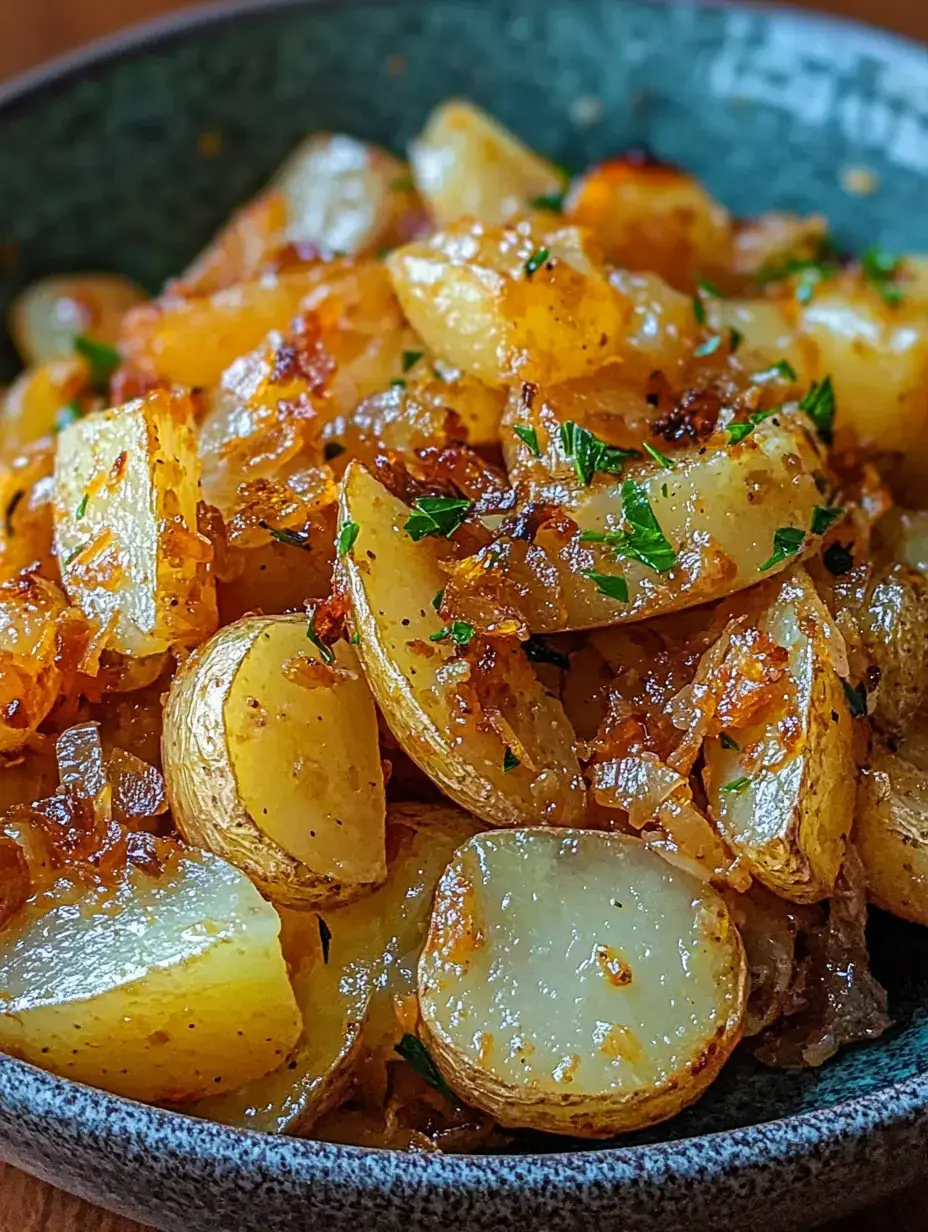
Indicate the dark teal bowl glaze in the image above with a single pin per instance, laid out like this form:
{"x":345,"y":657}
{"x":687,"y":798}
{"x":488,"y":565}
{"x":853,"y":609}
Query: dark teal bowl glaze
{"x":100,"y":167}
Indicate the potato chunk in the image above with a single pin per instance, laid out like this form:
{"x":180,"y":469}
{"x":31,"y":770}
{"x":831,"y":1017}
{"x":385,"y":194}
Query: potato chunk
{"x":174,"y":981}
{"x":577,"y":983}
{"x":465,"y":163}
{"x":38,"y":399}
{"x":421,"y":685}
{"x":272,"y":760}
{"x":891,"y":834}
{"x":30,"y":677}
{"x":519,"y":301}
{"x":48,"y":315}
{"x":784,"y":795}
{"x":127,"y":482}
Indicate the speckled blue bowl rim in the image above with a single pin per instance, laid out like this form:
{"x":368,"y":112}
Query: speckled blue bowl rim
{"x":876,"y":1133}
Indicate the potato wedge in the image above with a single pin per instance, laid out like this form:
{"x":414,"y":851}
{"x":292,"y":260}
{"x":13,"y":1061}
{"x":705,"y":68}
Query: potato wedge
{"x":467,"y":164}
{"x":348,"y":992}
{"x":418,"y":684}
{"x":654,"y":217}
{"x":48,"y":315}
{"x":272,"y":761}
{"x":784,"y":797}
{"x":174,"y":982}
{"x":611,"y":1009}
{"x":891,"y":834}
{"x":520,"y":301}
{"x":127,"y":483}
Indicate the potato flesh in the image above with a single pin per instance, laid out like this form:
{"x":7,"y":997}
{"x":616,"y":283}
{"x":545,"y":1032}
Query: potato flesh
{"x":127,"y":483}
{"x":468,"y":294}
{"x":466,"y":164}
{"x":148,"y":968}
{"x":30,"y":677}
{"x":600,"y":1012}
{"x":46,"y":318}
{"x":31,"y":406}
{"x":790,"y":821}
{"x":280,"y":777}
{"x":894,"y":625}
{"x":392,"y":582}
{"x":721,"y":510}
{"x":891,"y":835}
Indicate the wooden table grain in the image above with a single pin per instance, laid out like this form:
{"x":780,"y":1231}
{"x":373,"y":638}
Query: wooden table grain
{"x":34,"y":30}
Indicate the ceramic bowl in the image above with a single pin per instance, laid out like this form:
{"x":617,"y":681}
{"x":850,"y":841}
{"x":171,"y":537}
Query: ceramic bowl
{"x":104,"y":162}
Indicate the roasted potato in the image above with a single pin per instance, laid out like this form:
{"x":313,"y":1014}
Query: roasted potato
{"x":894,"y":627}
{"x":30,"y":671}
{"x":891,"y":834}
{"x":422,"y":691}
{"x":161,"y":986}
{"x":127,"y":483}
{"x":39,"y":400}
{"x":47,"y":317}
{"x":272,"y":761}
{"x":466,"y":164}
{"x":782,"y":788}
{"x":27,"y":491}
{"x":611,"y":1009}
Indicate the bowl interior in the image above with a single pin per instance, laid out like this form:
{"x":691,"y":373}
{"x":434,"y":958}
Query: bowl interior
{"x":131,"y":163}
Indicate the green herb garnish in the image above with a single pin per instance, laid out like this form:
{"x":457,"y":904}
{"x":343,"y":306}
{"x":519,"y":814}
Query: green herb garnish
{"x":536,"y":261}
{"x":727,"y":743}
{"x":510,"y":761}
{"x":787,"y":541}
{"x":325,"y":937}
{"x":411,"y":358}
{"x":819,"y":405}
{"x":613,"y":586}
{"x":824,"y":516}
{"x":738,"y":431}
{"x":331,"y":449}
{"x":325,"y":652}
{"x":589,"y":454}
{"x":735,"y":339}
{"x":398,"y":383}
{"x":439,"y":595}
{"x":808,"y":273}
{"x":660,"y":458}
{"x":736,"y":786}
{"x":645,"y":541}
{"x":347,"y":537}
{"x":549,"y":201}
{"x":529,"y":437}
{"x":293,"y":538}
{"x":72,"y":556}
{"x":856,"y":699}
{"x":459,"y":631}
{"x":82,"y":507}
{"x":103,"y":359}
{"x":709,"y":347}
{"x":437,"y":515}
{"x":415,"y":1053}
{"x":537,"y":650}
{"x":881,"y":268}
{"x":782,"y":370}
{"x":838,"y":559}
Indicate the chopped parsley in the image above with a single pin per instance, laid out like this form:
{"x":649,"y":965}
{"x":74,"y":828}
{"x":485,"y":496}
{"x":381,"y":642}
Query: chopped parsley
{"x":856,"y":699}
{"x":736,"y":786}
{"x":735,"y":339}
{"x":436,"y":601}
{"x":536,"y":261}
{"x":510,"y":761}
{"x":727,"y":743}
{"x":699,"y":310}
{"x":782,"y":370}
{"x":709,"y":347}
{"x":325,"y":937}
{"x":589,"y":454}
{"x":355,"y":638}
{"x":103,"y":359}
{"x":787,"y":541}
{"x":399,"y":383}
{"x":67,"y":415}
{"x":881,"y":269}
{"x":709,"y":289}
{"x":437,"y":515}
{"x":293,"y":538}
{"x":819,"y":405}
{"x":809,"y":273}
{"x":537,"y":650}
{"x":660,"y":458}
{"x":347,"y":537}
{"x":325,"y":653}
{"x":549,"y":201}
{"x":838,"y":559}
{"x":529,"y":437}
{"x":459,"y":631}
{"x":411,"y":358}
{"x":72,"y":556}
{"x":613,"y":586}
{"x":82,"y":507}
{"x":738,"y":431}
{"x":415,"y":1053}
{"x":331,"y":449}
{"x":645,"y":541}
{"x":824,"y":516}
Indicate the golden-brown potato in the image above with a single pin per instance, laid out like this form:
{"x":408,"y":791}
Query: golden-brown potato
{"x":425,"y":690}
{"x":891,"y":834}
{"x":466,"y":164}
{"x":46,"y":318}
{"x":30,"y":611}
{"x":513,"y":302}
{"x":894,"y":628}
{"x":649,"y":216}
{"x":610,"y":1008}
{"x":127,"y":483}
{"x":768,"y":334}
{"x":272,"y":761}
{"x":27,"y":490}
{"x":782,"y":787}
{"x":38,"y":400}
{"x":240,"y":249}
{"x":159,"y":986}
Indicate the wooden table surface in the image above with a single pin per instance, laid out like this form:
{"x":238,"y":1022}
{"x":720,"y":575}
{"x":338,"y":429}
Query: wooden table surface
{"x":34,"y":30}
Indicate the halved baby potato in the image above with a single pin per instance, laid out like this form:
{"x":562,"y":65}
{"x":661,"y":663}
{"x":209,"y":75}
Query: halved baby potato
{"x":127,"y":483}
{"x":467,"y":164}
{"x":421,"y":685}
{"x":891,"y":834}
{"x":157,"y":985}
{"x":575,"y":982}
{"x":272,"y":761}
{"x":782,"y":790}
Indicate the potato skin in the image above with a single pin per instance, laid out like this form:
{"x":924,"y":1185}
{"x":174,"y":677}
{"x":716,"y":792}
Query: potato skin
{"x":206,"y":798}
{"x":892,"y":835}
